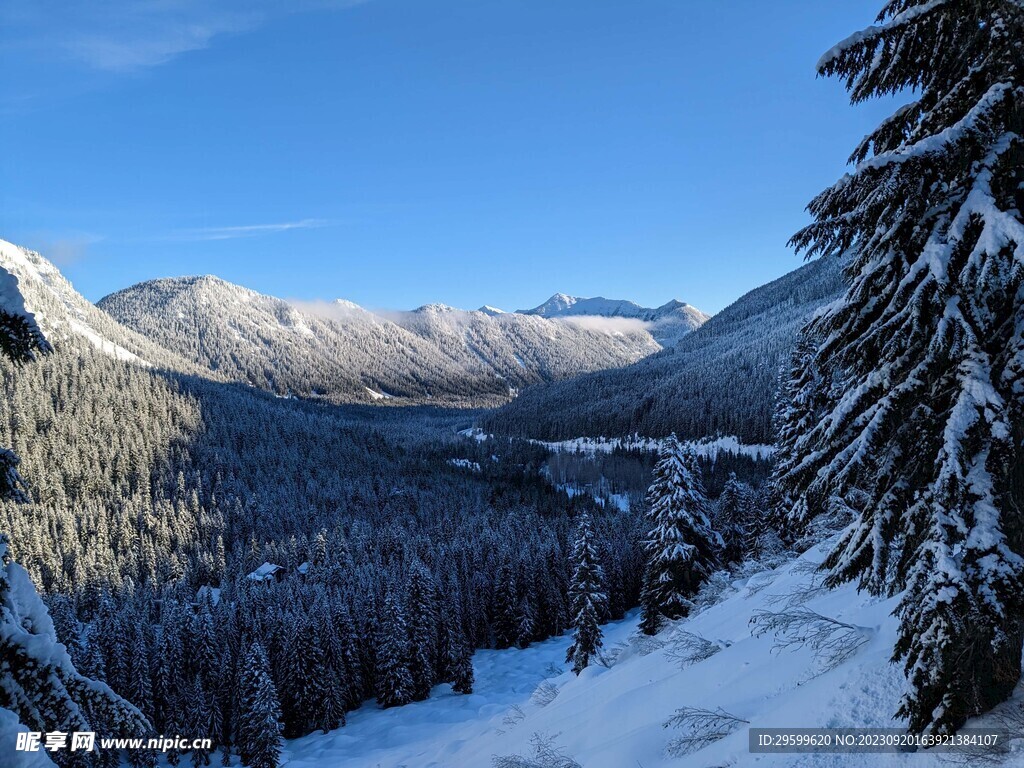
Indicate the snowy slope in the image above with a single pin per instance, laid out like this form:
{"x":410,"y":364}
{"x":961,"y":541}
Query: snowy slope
{"x":344,"y":353}
{"x":523,"y":349}
{"x":667,"y":323}
{"x":613,"y":717}
{"x":65,"y":316}
{"x":12,"y":303}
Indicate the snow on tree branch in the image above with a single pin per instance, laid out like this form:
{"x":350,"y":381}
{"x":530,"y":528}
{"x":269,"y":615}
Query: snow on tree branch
{"x":871,"y":34}
{"x":701,"y":727}
{"x":832,"y":641}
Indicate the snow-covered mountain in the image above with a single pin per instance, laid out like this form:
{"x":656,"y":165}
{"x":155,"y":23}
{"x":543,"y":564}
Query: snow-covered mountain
{"x":64,"y":315}
{"x":667,"y":323}
{"x":345,"y":353}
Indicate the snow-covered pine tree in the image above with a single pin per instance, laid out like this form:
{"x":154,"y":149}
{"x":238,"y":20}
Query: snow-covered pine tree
{"x":199,"y":716}
{"x":350,"y":667}
{"x":526,"y":622}
{"x":394,"y":683}
{"x":259,"y":717}
{"x":803,"y":400}
{"x":928,"y":337}
{"x":39,"y":684}
{"x":140,"y":690}
{"x":587,"y":597}
{"x":421,"y":611}
{"x":170,"y":664}
{"x":305,"y":697}
{"x":20,"y":341}
{"x":203,"y":646}
{"x":456,"y":651}
{"x":336,"y":693}
{"x":92,"y":664}
{"x":460,"y":662}
{"x":682,"y":547}
{"x":735,"y":514}
{"x":506,"y":603}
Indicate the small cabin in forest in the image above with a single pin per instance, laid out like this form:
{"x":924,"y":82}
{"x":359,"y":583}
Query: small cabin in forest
{"x":267,"y":572}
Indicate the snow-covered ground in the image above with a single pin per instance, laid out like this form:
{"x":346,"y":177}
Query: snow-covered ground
{"x":708,"y":447}
{"x":447,"y":729}
{"x":612,"y":717}
{"x":619,"y":501}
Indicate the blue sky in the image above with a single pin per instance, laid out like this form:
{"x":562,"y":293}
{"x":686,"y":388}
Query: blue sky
{"x":399,"y":152}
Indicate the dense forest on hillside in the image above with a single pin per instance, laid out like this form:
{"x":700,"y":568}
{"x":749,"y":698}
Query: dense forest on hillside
{"x":719,"y":380}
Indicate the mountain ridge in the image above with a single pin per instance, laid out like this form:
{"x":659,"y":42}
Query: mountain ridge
{"x":667,"y":324}
{"x":342,"y":352}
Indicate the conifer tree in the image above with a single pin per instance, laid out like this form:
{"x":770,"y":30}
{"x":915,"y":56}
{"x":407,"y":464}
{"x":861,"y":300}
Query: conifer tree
{"x":682,"y":548}
{"x":305,"y":696}
{"x":170,"y":663}
{"x":203,"y":643}
{"x":350,"y":667}
{"x":927,"y":429}
{"x":735,"y":518}
{"x":506,"y":625}
{"x":460,"y":662}
{"x":92,"y":664}
{"x":319,"y":555}
{"x":39,"y":684}
{"x":336,"y":693}
{"x":200,"y":719}
{"x":525,"y":622}
{"x":588,"y":600}
{"x":456,"y":652}
{"x":421,"y":610}
{"x":259,"y":723}
{"x":139,"y":690}
{"x":803,"y":400}
{"x":394,"y":683}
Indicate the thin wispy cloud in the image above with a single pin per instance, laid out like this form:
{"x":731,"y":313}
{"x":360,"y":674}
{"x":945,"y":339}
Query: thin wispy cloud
{"x":65,"y":248}
{"x":248,"y":230}
{"x":123,"y":36}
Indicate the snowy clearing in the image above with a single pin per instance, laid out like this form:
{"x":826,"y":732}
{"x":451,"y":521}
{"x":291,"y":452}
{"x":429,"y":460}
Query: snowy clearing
{"x":707,"y":447}
{"x":447,"y":729}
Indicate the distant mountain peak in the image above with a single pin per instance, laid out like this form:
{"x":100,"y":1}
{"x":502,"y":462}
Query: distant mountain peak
{"x":562,"y":304}
{"x":559,"y":303}
{"x":435,"y":309}
{"x":667,"y":323}
{"x":346,"y":304}
{"x":673,"y":304}
{"x":489,"y":310}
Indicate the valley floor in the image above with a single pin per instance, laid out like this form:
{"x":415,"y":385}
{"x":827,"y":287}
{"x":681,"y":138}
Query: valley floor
{"x":612,"y":717}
